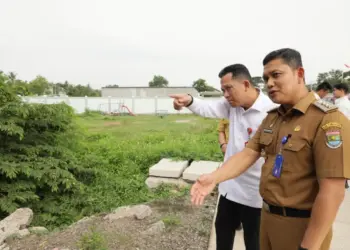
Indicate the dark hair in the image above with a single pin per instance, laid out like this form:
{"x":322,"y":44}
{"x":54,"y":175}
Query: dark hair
{"x":326,"y":86}
{"x":289,"y":56}
{"x":342,"y":86}
{"x":237,"y":70}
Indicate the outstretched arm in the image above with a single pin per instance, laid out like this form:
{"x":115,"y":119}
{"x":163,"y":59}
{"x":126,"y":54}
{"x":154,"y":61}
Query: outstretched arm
{"x":206,"y":108}
{"x":236,"y":165}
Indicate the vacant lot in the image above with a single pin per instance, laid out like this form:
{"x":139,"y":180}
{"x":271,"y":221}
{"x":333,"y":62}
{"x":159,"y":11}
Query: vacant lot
{"x":122,"y":148}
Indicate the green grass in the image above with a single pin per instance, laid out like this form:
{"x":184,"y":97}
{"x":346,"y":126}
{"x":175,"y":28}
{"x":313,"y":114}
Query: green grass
{"x":122,"y":149}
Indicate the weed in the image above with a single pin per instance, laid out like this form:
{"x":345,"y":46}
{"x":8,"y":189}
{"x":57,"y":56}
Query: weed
{"x":92,"y":240}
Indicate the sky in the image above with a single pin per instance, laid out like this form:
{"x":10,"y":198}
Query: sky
{"x":106,"y":42}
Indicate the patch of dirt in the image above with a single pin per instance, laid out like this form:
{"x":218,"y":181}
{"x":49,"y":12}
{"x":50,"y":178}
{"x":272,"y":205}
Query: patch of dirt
{"x":108,"y":124}
{"x":186,"y":227}
{"x":183,"y":121}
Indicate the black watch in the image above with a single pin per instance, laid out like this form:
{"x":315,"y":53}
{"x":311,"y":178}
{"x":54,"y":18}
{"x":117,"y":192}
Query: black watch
{"x":190,"y":101}
{"x":301,"y":248}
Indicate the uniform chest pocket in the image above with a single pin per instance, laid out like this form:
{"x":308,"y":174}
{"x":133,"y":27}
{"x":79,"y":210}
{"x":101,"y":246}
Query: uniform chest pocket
{"x":295,"y":154}
{"x":294,"y":146}
{"x":266,"y":142}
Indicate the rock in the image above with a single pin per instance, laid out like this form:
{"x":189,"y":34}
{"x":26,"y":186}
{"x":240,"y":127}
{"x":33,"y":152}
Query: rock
{"x":16,"y":221}
{"x":4,"y":247}
{"x":38,"y":230}
{"x":83,"y":221}
{"x":142,"y":211}
{"x":155,"y":228}
{"x":138,"y":211}
{"x":154,"y":182}
{"x":20,"y":234}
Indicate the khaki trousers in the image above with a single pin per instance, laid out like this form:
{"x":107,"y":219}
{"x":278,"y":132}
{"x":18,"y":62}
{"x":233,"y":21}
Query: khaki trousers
{"x":285,"y":233}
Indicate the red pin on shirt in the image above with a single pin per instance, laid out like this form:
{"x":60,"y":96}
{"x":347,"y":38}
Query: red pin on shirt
{"x":250,"y":131}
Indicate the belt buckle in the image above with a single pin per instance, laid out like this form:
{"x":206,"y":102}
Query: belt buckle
{"x":284,"y":211}
{"x":266,"y":206}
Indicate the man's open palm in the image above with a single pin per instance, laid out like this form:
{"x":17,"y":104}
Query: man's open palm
{"x":180,"y":100}
{"x":203,"y":186}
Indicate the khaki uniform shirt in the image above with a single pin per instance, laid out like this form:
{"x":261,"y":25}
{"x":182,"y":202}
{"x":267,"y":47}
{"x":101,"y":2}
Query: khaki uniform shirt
{"x":224,"y":127}
{"x":319,"y":147}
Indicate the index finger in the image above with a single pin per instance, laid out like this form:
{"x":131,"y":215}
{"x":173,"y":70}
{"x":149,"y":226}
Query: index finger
{"x":175,"y":96}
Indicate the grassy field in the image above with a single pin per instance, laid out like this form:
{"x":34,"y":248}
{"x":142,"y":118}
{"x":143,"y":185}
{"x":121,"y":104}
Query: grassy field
{"x":123,"y":148}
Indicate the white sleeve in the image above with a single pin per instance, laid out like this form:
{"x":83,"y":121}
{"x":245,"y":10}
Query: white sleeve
{"x":345,"y":110}
{"x":211,"y":108}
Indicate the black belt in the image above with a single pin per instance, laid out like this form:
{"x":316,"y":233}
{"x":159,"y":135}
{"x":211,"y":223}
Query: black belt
{"x":286,"y":211}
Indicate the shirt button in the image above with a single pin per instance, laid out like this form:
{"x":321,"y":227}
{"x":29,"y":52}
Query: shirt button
{"x":290,"y":145}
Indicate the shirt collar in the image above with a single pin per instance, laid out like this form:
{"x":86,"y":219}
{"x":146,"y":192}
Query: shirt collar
{"x":259,"y":103}
{"x":302,"y":105}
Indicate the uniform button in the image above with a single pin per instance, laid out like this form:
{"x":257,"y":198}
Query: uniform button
{"x":290,"y":145}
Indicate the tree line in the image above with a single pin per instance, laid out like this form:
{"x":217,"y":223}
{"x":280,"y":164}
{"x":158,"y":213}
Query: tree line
{"x":41,"y":86}
{"x":333,"y":76}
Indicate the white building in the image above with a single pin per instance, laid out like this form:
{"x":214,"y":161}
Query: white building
{"x":128,"y":92}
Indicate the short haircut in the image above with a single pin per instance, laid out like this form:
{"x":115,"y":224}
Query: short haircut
{"x":289,"y":56}
{"x":237,"y":71}
{"x":326,"y":86}
{"x":342,"y":86}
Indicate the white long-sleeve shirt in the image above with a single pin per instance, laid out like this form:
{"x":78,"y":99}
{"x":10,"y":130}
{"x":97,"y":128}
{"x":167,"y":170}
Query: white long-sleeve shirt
{"x":243,"y":189}
{"x":343,"y":105}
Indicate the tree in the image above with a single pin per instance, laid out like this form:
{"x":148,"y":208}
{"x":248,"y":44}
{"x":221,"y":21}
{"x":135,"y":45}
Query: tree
{"x":201,"y":85}
{"x":39,"y":86}
{"x":158,"y":81}
{"x":333,"y":76}
{"x":256,"y":80}
{"x":12,"y":77}
{"x":112,"y":86}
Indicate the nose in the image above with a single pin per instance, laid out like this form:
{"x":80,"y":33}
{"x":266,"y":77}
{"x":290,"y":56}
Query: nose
{"x":270,"y":83}
{"x":226,"y":94}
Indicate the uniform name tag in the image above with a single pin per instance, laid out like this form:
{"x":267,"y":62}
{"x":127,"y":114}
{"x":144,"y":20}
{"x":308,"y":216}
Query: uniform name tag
{"x":269,"y":131}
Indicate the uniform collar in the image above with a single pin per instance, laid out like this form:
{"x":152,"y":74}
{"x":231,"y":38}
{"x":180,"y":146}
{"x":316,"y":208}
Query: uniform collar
{"x":301,"y":106}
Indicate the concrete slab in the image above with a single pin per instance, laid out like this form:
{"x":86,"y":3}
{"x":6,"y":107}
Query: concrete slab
{"x":154,"y":182}
{"x":168,"y":168}
{"x":197,"y":168}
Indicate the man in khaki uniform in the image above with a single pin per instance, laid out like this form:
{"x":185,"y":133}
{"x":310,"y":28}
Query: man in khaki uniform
{"x":223,"y":129}
{"x":304,"y":143}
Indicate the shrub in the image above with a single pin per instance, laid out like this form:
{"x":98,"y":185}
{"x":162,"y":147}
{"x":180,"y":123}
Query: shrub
{"x":38,"y":167}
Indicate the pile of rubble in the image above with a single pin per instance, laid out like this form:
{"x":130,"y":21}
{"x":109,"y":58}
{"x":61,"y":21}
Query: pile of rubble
{"x":17,"y":225}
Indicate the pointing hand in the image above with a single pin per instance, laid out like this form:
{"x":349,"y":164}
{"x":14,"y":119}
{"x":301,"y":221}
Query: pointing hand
{"x":180,"y":100}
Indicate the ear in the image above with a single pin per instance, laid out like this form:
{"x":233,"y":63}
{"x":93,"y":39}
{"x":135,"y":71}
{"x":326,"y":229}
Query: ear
{"x":301,"y":72}
{"x":247,"y":85}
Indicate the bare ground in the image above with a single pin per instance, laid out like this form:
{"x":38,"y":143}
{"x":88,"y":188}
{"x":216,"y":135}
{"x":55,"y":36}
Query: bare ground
{"x":186,"y":227}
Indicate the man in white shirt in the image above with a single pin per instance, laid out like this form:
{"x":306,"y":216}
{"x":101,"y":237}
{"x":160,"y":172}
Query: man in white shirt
{"x":323,"y":89}
{"x":245,"y":107}
{"x":340,"y":93}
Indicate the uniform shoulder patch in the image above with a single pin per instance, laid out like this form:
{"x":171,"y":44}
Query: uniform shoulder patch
{"x":333,"y":134}
{"x":325,"y":106}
